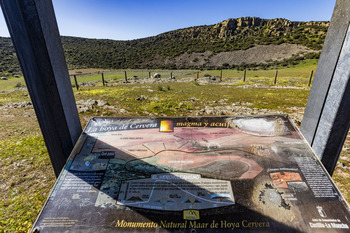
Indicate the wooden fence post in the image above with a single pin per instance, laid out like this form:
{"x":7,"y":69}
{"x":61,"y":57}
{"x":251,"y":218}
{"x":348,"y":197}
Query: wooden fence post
{"x":220,"y":75}
{"x":149,"y":74}
{"x":171,"y":75}
{"x":244,"y":75}
{"x":275,"y":81}
{"x":103,"y":80}
{"x":126,"y":76}
{"x":310,"y":79}
{"x":76,"y":82}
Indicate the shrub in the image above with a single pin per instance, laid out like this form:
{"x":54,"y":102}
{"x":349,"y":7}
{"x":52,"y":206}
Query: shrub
{"x":19,"y":85}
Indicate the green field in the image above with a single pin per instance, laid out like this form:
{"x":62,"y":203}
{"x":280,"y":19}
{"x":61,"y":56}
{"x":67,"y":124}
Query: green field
{"x":296,"y":76}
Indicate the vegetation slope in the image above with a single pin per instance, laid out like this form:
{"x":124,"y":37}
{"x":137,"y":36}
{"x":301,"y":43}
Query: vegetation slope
{"x":207,"y":41}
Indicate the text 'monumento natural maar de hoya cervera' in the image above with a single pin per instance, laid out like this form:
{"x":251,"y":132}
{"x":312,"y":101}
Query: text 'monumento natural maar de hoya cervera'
{"x":205,"y":174}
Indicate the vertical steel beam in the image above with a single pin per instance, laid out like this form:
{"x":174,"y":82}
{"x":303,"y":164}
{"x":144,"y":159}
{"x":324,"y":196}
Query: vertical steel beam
{"x":327,"y":114}
{"x":34,"y":32}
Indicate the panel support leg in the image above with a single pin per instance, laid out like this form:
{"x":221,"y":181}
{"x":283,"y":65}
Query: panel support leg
{"x":34,"y":32}
{"x":327,"y":115}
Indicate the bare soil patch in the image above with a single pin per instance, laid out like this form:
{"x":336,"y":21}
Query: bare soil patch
{"x":257,"y":54}
{"x":85,"y":71}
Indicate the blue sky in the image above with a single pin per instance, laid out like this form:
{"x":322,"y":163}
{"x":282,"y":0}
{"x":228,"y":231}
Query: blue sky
{"x":132,"y":19}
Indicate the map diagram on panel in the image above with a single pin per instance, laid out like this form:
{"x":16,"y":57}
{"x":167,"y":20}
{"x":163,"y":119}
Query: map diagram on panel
{"x":176,"y":192}
{"x":215,"y":155}
{"x":200,"y":150}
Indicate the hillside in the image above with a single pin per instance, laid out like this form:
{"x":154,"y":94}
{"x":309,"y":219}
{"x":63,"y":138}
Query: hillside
{"x":8,"y":58}
{"x":232,"y":43}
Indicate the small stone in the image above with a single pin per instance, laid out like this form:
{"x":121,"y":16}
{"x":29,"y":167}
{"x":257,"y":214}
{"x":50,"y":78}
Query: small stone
{"x":102,"y":103}
{"x":141,"y":98}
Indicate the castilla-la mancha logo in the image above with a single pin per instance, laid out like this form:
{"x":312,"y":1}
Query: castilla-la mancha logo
{"x":191,"y":214}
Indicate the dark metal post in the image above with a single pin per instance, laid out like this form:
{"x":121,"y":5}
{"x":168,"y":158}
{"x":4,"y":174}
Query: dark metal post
{"x":34,"y":32}
{"x":327,"y":117}
{"x":76,"y":82}
{"x":103,"y":80}
{"x":220,"y":75}
{"x":310,"y":79}
{"x":149,"y":74}
{"x":275,"y":81}
{"x":244,"y":75}
{"x":171,"y":75}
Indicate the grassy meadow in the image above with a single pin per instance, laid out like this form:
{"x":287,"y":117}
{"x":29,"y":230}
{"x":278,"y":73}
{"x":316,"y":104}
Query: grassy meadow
{"x":295,"y":76}
{"x":25,"y":169}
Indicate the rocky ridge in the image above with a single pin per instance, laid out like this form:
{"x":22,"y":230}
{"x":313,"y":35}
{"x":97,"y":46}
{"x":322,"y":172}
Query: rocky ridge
{"x":206,"y":45}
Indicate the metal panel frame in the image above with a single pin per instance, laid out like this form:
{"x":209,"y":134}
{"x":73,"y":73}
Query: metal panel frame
{"x":327,"y":116}
{"x":34,"y":32}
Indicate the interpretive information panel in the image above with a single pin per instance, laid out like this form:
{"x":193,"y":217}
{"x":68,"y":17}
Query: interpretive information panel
{"x":205,"y":174}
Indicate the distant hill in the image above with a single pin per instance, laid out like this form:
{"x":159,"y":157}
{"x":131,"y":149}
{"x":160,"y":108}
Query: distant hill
{"x":8,"y":58}
{"x":233,"y":43}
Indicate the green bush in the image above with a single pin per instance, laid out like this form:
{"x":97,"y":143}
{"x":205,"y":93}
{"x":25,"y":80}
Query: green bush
{"x":19,"y":85}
